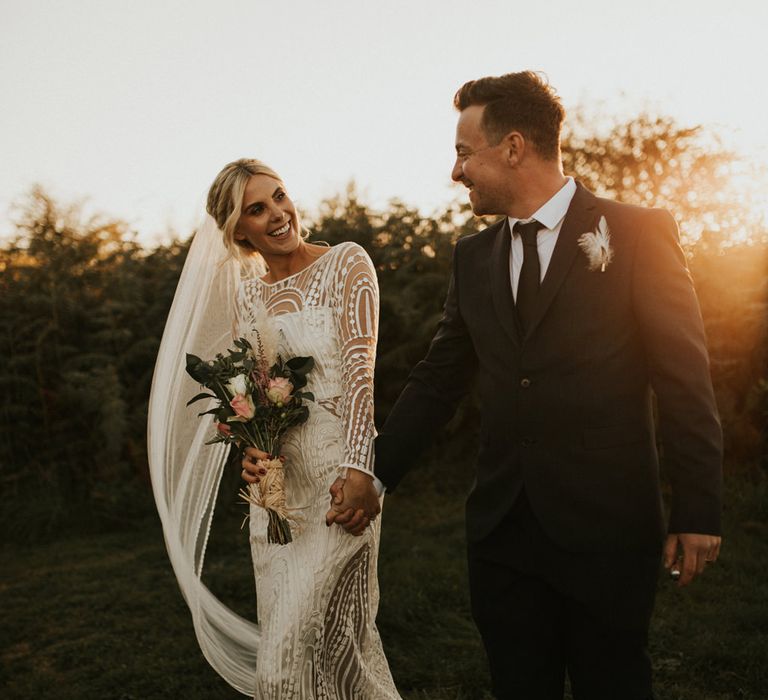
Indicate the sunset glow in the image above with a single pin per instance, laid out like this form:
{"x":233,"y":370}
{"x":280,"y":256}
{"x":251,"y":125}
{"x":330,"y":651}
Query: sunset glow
{"x":135,"y":106}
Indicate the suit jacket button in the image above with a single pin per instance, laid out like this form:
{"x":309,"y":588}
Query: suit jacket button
{"x":525,"y":383}
{"x":528,"y":442}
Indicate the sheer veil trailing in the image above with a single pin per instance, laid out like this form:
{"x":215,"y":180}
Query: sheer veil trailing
{"x":185,"y":472}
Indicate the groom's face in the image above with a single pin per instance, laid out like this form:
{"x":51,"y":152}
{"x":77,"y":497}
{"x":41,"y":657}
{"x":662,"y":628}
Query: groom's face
{"x":480,"y":166}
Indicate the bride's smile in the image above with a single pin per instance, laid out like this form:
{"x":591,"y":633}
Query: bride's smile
{"x":268,"y":221}
{"x":285,"y":228}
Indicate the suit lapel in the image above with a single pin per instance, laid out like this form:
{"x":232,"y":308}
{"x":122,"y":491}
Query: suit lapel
{"x":580,"y":218}
{"x":503,"y":301}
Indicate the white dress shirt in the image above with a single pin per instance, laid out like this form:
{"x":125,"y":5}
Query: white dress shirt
{"x":379,"y":486}
{"x":550,"y":215}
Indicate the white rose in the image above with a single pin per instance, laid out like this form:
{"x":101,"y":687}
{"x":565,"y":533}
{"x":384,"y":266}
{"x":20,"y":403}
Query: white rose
{"x":238,"y":385}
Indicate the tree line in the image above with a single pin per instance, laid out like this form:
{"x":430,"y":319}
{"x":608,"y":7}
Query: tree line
{"x":83,"y":305}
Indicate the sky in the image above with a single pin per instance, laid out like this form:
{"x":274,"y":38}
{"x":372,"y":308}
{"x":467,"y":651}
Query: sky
{"x":132,"y":107}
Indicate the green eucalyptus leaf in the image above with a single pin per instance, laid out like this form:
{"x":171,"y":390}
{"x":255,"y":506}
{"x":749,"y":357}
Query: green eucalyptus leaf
{"x":299,"y":381}
{"x":197,"y":369}
{"x":301,"y":365}
{"x":200,"y":397}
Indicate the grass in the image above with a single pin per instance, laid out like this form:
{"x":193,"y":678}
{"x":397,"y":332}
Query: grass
{"x":100,"y":616}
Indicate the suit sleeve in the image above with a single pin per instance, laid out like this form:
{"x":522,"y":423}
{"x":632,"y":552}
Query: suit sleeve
{"x":433,"y":392}
{"x":675,"y":344}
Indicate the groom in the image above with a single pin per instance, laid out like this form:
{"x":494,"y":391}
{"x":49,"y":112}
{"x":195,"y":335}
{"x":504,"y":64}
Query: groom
{"x":566,"y":313}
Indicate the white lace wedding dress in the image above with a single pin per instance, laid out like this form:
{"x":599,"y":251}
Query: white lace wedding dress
{"x":317,"y":596}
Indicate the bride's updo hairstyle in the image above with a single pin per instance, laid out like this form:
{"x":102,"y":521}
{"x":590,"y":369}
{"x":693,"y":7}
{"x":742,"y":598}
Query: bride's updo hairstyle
{"x":225,"y":201}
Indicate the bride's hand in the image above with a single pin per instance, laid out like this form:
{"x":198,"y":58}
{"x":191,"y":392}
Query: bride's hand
{"x":337,"y":491}
{"x":252,"y":470}
{"x":337,"y":510}
{"x":354,"y":503}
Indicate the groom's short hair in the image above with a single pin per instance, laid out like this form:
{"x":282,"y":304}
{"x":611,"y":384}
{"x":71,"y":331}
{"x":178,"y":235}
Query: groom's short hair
{"x":523,"y":102}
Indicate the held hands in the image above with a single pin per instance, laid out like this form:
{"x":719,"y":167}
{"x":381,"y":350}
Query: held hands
{"x":697,"y":552}
{"x":354,"y":502}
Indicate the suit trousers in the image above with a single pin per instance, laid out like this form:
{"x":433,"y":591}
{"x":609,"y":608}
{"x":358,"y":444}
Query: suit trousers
{"x":542,"y":610}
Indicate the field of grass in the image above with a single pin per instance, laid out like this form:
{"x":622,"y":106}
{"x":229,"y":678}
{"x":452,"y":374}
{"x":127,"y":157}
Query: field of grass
{"x":100,"y":616}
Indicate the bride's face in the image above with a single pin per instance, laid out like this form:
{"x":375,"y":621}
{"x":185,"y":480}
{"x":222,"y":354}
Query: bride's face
{"x":268,"y":220}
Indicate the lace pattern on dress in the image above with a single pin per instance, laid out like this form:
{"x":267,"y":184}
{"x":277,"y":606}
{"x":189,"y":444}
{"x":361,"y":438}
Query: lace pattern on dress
{"x":317,"y":596}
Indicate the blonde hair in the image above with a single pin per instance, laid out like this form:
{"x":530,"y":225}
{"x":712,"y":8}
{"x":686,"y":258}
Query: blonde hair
{"x":225,"y":202}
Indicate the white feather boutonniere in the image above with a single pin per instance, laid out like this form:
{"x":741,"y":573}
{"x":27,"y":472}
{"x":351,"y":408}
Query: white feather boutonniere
{"x":597,"y":246}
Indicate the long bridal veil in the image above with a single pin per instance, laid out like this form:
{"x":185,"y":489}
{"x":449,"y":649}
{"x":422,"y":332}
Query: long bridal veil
{"x":185,"y":472}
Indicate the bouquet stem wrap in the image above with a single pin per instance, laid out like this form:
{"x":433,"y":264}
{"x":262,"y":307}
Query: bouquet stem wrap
{"x":269,"y":494}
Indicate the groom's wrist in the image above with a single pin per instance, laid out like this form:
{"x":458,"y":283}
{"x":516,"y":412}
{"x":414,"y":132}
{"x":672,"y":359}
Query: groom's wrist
{"x":359,"y":475}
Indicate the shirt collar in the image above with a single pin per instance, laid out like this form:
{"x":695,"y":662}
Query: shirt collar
{"x":553,"y":211}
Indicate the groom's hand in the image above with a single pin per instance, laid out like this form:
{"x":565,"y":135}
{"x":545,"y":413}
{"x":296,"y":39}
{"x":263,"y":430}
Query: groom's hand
{"x":697,"y":552}
{"x":354,"y":502}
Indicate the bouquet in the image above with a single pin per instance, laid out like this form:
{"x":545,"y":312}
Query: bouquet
{"x":258,"y":399}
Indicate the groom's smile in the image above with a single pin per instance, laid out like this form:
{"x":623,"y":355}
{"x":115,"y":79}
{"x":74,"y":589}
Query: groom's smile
{"x":480,"y":165}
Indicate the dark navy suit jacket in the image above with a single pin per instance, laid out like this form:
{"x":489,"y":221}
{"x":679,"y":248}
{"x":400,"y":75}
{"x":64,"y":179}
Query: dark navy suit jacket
{"x":567,"y":409}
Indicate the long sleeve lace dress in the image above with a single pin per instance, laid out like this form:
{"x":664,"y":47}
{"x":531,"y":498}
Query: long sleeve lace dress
{"x":317,"y":596}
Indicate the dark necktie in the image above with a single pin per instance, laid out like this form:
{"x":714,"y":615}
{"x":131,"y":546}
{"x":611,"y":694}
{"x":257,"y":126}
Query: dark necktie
{"x":530,"y":274}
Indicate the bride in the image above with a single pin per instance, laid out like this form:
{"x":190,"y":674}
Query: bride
{"x":317,"y":596}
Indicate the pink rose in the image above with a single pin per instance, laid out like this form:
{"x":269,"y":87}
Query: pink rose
{"x":224,"y":429}
{"x":243,"y":408}
{"x":279,"y":390}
